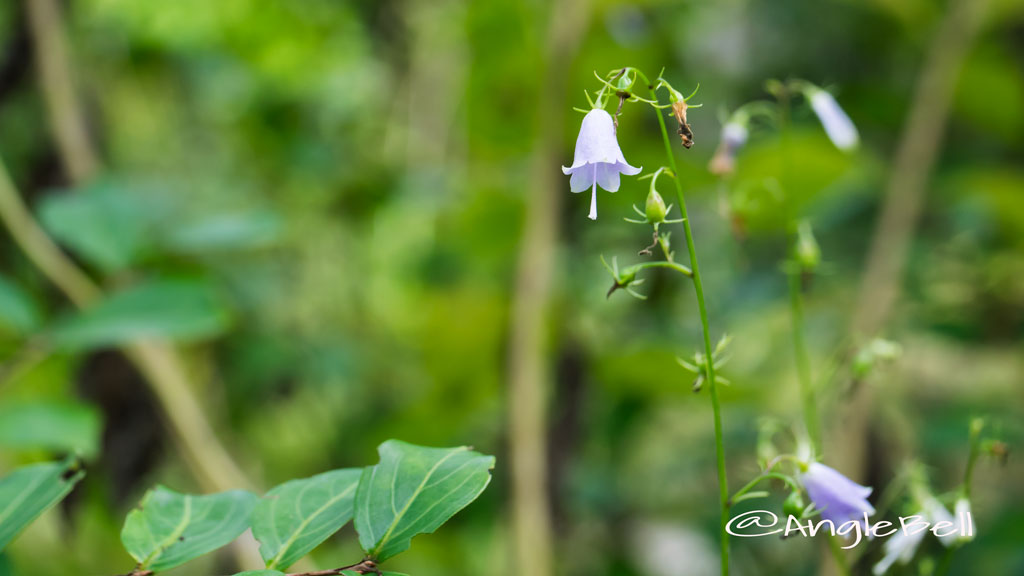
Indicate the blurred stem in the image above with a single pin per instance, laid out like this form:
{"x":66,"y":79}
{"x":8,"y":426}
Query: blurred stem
{"x":40,"y":249}
{"x":723,"y":483}
{"x":158,"y":362}
{"x":532,"y":533}
{"x":803,"y":360}
{"x":53,"y":63}
{"x":808,"y":403}
{"x":905,"y":193}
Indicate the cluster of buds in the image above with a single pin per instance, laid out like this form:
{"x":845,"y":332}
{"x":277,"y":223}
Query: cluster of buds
{"x":623,"y":280}
{"x":698,"y":366}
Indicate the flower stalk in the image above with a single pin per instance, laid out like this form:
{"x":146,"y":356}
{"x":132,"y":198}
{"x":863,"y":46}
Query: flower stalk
{"x":716,"y":408}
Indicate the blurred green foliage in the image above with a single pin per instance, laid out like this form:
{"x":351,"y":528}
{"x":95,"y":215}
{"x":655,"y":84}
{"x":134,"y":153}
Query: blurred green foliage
{"x":323,"y":202}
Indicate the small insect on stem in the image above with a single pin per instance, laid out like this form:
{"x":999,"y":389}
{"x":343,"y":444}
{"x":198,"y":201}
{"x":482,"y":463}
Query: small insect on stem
{"x":685,"y":134}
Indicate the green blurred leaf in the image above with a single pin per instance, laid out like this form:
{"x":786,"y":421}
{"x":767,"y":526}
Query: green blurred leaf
{"x":29,"y":491}
{"x":225,"y":232}
{"x":168,"y":529}
{"x":295,"y":517}
{"x":414,"y":490}
{"x":183,"y":310}
{"x":17,"y":310}
{"x":261,"y":573}
{"x":62,"y":426}
{"x":108,"y":223}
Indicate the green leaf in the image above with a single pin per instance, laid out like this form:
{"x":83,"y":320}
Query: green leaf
{"x":168,"y":528}
{"x":225,"y":232}
{"x":414,"y":490}
{"x":108,"y":223}
{"x":261,"y":573}
{"x":17,"y":309}
{"x":31,"y":490}
{"x":295,"y":517}
{"x":183,"y":310}
{"x":61,"y":426}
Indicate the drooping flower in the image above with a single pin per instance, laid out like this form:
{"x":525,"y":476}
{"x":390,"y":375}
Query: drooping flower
{"x":598,"y":159}
{"x":837,"y":497}
{"x":902,"y":545}
{"x":962,"y":509}
{"x":734,"y":136}
{"x":837,"y":124}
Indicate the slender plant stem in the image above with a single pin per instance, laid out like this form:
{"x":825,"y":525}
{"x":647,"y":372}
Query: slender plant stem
{"x":803,"y":361}
{"x":760,"y":478}
{"x":723,"y":483}
{"x":666,"y":264}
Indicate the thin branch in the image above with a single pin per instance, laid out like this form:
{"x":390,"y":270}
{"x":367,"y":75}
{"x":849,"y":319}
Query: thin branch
{"x":54,"y":66}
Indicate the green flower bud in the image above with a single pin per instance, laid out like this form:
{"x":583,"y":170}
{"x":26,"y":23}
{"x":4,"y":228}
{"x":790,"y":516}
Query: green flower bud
{"x":625,"y":83}
{"x":808,"y":253}
{"x":655,"y":209}
{"x":794,"y":505}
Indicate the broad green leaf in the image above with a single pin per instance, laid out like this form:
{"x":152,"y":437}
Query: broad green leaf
{"x":414,"y":490}
{"x":181,"y":310}
{"x":18,"y":312}
{"x":108,"y":223}
{"x":295,"y":517}
{"x":63,"y":426}
{"x":29,"y":491}
{"x":168,"y":528}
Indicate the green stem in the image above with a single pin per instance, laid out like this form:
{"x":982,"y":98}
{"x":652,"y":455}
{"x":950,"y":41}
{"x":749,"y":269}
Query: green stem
{"x":723,"y":484}
{"x":665,"y":264}
{"x":761,"y":477}
{"x":803,"y":361}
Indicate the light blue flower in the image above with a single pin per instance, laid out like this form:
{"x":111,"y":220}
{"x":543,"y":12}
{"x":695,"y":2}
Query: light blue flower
{"x":598,"y":159}
{"x":837,"y":124}
{"x":837,"y":497}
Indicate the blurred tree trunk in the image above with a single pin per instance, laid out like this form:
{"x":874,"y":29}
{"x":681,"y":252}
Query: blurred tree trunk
{"x":905,"y":192}
{"x":529,"y":357}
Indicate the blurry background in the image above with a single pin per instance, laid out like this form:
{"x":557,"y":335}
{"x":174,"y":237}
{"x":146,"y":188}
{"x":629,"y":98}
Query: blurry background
{"x":349,"y":219}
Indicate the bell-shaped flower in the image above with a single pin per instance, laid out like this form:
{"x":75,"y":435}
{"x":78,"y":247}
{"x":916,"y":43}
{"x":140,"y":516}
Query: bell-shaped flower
{"x":734,"y":136}
{"x":837,"y":497}
{"x":598,"y":159}
{"x":900,"y":547}
{"x":837,"y":124}
{"x":962,"y":509}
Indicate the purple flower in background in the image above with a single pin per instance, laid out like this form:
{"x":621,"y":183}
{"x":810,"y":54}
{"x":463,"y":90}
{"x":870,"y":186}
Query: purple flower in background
{"x":837,"y":497}
{"x":837,"y":124}
{"x":734,"y":136}
{"x":598,"y":158}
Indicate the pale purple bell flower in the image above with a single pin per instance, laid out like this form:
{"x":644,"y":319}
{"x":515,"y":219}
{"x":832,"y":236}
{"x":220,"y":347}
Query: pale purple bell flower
{"x":837,"y":497}
{"x":837,"y":124}
{"x":598,"y":159}
{"x":900,"y":547}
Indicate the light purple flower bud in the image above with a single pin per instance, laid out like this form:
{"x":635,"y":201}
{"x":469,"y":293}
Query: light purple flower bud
{"x":734,"y":135}
{"x":839,"y":498}
{"x":838,"y":126}
{"x":598,"y":158}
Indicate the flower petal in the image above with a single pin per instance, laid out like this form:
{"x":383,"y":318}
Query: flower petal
{"x":582,"y":178}
{"x":608,"y":177}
